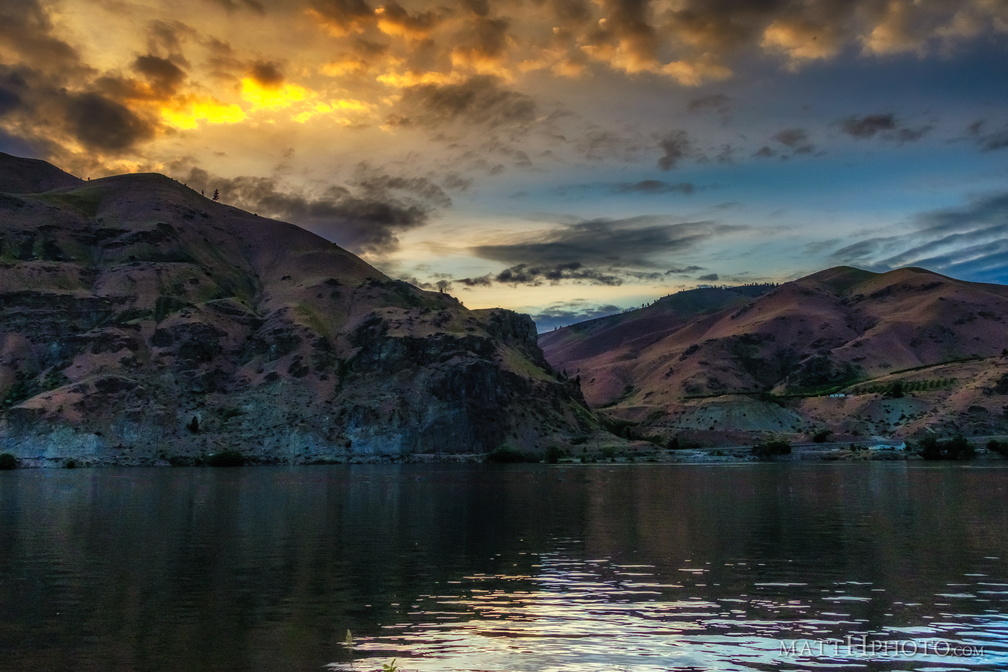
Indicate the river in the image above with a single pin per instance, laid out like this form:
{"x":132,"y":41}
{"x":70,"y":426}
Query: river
{"x":791,"y":566}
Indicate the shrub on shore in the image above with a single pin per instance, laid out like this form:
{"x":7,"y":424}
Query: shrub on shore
{"x":956,"y":448}
{"x":8,"y":462}
{"x":771,"y":448}
{"x":505,"y":454}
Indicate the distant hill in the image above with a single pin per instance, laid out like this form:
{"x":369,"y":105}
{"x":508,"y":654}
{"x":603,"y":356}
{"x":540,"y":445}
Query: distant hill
{"x":714,"y":364}
{"x":141,"y":322}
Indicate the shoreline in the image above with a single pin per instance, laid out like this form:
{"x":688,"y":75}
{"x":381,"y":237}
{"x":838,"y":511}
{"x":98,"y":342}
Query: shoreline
{"x":637,"y":453}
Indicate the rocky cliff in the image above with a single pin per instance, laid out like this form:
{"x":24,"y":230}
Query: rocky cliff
{"x":141,"y":323}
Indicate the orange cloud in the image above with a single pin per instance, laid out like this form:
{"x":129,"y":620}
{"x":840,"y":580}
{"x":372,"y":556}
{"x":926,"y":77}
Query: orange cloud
{"x":272,"y":96}
{"x":188,"y":112}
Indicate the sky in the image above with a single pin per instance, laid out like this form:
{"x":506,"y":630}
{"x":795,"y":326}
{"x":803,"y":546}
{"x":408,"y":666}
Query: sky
{"x":564,"y":158}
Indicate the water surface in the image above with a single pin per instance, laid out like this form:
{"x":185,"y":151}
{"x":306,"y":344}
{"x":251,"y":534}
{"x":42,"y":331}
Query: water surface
{"x":875,"y":566}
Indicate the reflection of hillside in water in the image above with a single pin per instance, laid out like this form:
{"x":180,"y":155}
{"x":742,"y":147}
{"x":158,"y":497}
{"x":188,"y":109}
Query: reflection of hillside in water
{"x":494,"y":569}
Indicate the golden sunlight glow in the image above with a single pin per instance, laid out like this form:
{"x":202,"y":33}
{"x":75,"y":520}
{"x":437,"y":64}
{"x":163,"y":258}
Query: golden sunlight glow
{"x":272,"y":97}
{"x":799,"y":42}
{"x":347,"y":105}
{"x":188,"y":112}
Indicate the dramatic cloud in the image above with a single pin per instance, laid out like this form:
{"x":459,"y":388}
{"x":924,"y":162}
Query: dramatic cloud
{"x":479,"y":101}
{"x":676,"y":146}
{"x":523,"y":274}
{"x":577,"y":105}
{"x":342,"y":17}
{"x":796,"y":139}
{"x":869,"y":126}
{"x":163,"y":75}
{"x":104,"y":124}
{"x":881,"y":125}
{"x":604,"y":244}
{"x":27,"y":36}
{"x":365,"y":216}
{"x":970,"y":242}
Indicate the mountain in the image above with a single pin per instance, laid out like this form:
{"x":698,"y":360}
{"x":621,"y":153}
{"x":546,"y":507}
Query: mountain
{"x":141,"y":322}
{"x":719,"y":365}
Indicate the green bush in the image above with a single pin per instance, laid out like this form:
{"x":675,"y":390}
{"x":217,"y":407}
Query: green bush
{"x":8,"y":462}
{"x":226,"y":458}
{"x":822,"y":436}
{"x":771,"y":448}
{"x":956,"y":448}
{"x":554,"y":453}
{"x":999,"y":447}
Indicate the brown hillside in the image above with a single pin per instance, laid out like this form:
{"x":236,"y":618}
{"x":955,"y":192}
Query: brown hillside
{"x":140,"y":321}
{"x":825,"y":333}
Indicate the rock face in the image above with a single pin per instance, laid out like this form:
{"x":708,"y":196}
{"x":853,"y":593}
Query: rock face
{"x":141,"y":322}
{"x":719,"y":367}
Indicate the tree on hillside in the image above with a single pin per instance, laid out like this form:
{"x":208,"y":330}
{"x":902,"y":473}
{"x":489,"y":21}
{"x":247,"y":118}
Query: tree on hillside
{"x":216,"y":194}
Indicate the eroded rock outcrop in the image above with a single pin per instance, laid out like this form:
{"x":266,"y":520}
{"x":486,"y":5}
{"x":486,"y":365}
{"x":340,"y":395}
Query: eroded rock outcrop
{"x":143,"y":323}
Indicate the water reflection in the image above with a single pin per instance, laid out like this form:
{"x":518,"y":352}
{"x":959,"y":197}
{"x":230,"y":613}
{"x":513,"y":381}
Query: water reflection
{"x":597,"y":615}
{"x":752,"y":567}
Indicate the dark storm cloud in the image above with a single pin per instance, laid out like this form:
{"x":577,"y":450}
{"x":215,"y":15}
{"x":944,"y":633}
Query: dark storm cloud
{"x":343,"y":16}
{"x":676,"y":146}
{"x":535,"y":276}
{"x":53,"y":98}
{"x":481,"y":101}
{"x":365,"y":216}
{"x":26,"y":30}
{"x":415,"y":25}
{"x":163,"y":75}
{"x":606,"y":244}
{"x":795,"y":138}
{"x":884,"y":126}
{"x":524,"y":274}
{"x":710,"y":277}
{"x":969,"y":242}
{"x":571,"y":312}
{"x":267,"y":74}
{"x":104,"y":124}
{"x":868,"y":126}
{"x":9,"y":100}
{"x":683,"y":270}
